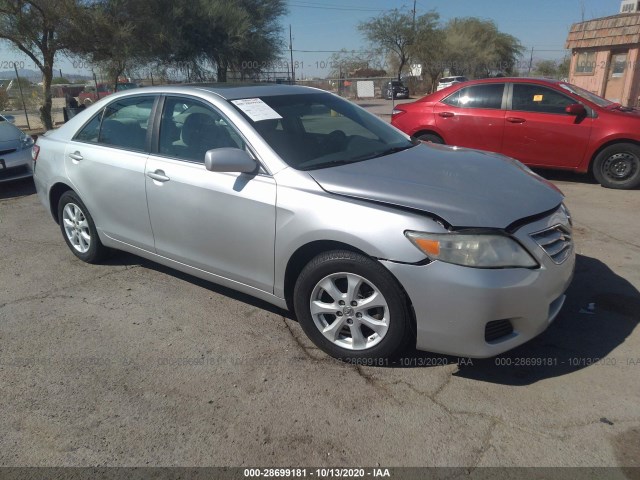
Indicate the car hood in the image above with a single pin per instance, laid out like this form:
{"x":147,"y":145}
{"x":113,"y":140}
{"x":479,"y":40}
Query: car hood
{"x":466,"y":188}
{"x":626,"y":112}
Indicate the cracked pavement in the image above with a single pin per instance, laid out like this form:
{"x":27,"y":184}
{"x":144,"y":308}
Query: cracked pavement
{"x":132,"y":364}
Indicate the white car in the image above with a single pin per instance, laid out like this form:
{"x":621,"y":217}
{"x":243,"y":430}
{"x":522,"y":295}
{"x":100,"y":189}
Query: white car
{"x":445,"y":82}
{"x":15,"y":152}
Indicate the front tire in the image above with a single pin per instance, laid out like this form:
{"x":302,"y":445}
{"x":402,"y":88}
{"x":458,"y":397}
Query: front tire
{"x":351,"y":307}
{"x":78,"y":229}
{"x":618,"y":166}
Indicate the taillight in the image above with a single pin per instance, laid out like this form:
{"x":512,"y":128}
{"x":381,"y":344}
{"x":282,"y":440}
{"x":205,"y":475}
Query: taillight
{"x":35,"y":151}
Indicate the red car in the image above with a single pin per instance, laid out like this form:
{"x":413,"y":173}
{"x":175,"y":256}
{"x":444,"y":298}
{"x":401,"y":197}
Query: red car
{"x":542,"y":123}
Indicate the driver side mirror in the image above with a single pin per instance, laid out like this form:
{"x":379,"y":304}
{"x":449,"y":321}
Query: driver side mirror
{"x":229,"y":160}
{"x":577,"y":109}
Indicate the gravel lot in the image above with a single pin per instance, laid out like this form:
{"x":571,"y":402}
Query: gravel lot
{"x":131,"y":364}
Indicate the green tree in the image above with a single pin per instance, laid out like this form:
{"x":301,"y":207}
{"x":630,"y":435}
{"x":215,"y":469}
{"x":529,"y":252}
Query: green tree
{"x":36,"y":28}
{"x":113,"y":35}
{"x":396,"y":32}
{"x":60,"y":81}
{"x":432,"y":53}
{"x":563,"y":67}
{"x":192,"y":36}
{"x":476,"y":48}
{"x":546,"y":68}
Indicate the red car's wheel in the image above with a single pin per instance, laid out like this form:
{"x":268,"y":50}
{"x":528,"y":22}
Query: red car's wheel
{"x":618,"y":166}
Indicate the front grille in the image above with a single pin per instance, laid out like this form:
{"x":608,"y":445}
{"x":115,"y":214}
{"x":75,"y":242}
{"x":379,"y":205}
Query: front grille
{"x":556,"y":241}
{"x":6,"y":152}
{"x":497,"y":329}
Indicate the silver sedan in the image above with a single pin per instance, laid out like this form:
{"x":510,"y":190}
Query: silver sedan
{"x":300,"y":198}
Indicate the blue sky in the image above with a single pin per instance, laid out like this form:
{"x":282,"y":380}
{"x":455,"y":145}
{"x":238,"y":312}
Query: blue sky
{"x":332,"y":25}
{"x":541,"y":24}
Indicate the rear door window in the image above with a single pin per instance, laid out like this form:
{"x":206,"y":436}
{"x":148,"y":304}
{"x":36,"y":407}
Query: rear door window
{"x":122,"y":123}
{"x":477,"y":96}
{"x":125,"y":122}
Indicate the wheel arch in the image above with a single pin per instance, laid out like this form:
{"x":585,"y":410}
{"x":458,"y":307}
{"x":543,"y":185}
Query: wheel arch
{"x":429,"y":131}
{"x":305,"y":253}
{"x":56,"y":191}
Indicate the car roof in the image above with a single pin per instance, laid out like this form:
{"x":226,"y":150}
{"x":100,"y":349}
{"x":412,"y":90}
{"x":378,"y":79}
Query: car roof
{"x":542,"y":81}
{"x":234,"y":91}
{"x":227,"y":91}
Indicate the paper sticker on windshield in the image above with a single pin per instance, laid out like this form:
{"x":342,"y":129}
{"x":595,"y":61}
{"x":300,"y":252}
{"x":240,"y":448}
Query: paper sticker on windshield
{"x":538,"y":98}
{"x":256,"y":109}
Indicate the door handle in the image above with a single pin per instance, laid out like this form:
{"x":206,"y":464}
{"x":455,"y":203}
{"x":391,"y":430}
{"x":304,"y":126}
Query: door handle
{"x":158,"y":176}
{"x":446,"y":114}
{"x":76,"y":156}
{"x":515,"y":120}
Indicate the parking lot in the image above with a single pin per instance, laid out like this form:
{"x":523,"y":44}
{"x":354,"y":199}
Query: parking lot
{"x":129,"y":363}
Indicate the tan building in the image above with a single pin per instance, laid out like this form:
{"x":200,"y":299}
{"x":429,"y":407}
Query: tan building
{"x":605,"y":57}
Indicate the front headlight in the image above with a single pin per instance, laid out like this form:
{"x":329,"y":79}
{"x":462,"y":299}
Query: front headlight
{"x":478,"y":250}
{"x":26,"y":141}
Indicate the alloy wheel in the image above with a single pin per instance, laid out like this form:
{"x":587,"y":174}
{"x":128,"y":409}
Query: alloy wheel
{"x":350,"y":311}
{"x":76,"y":227}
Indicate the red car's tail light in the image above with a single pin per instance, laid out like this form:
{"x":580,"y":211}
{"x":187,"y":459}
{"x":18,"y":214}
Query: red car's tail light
{"x":35,"y":151}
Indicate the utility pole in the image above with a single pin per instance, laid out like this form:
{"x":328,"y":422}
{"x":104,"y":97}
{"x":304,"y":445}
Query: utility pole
{"x":293,"y":74}
{"x":531,"y":61}
{"x":24,"y":106}
{"x":414,"y":16}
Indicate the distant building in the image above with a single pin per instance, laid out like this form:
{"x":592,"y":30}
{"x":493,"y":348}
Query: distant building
{"x":605,"y":55}
{"x":630,"y":6}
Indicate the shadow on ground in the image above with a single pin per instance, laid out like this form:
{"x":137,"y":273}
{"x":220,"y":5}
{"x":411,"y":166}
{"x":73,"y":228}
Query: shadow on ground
{"x":123,"y":258}
{"x":566,"y":176}
{"x":17,"y":188}
{"x":574,"y":341}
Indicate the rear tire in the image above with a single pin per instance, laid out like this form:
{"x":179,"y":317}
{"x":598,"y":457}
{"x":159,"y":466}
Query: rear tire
{"x":359,"y":310}
{"x":618,"y":166}
{"x":430,"y":138}
{"x":78,"y":229}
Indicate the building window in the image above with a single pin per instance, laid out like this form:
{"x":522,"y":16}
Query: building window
{"x":618,"y":65}
{"x":586,"y":63}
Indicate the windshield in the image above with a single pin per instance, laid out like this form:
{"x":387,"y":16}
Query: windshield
{"x":591,"y":97}
{"x":319,"y":130}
